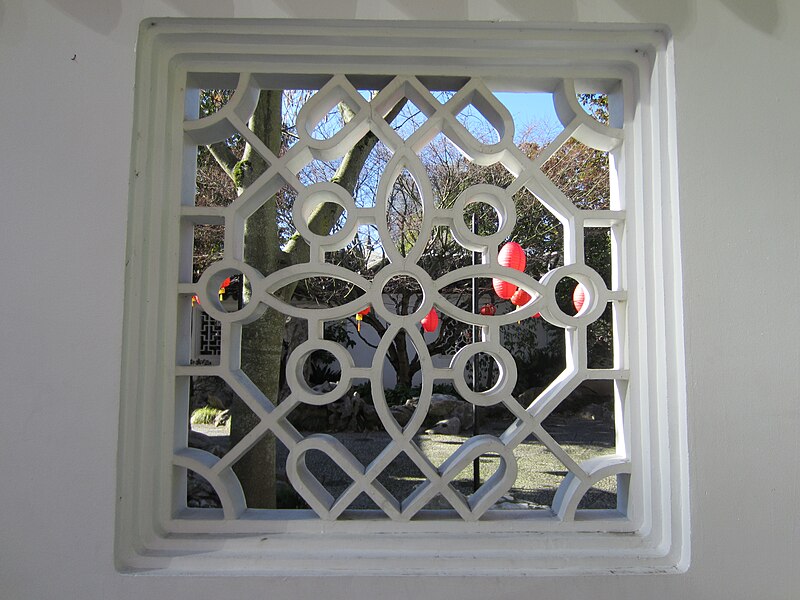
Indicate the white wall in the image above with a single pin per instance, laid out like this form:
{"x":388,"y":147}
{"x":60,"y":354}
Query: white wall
{"x":67,"y":72}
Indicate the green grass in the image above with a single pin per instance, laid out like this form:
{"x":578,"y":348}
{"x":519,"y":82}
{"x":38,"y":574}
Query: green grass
{"x":204,"y":416}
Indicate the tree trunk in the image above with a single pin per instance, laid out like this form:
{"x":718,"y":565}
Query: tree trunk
{"x":262,"y":340}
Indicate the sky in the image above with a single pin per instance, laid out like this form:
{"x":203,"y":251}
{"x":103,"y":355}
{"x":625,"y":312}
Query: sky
{"x":529,"y":107}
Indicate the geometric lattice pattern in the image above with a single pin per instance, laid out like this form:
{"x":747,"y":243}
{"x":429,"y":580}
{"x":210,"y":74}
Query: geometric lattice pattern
{"x":209,"y":335}
{"x":441,"y":118}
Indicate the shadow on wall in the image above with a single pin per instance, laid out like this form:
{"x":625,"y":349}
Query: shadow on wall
{"x":764,"y":15}
{"x":682,"y":14}
{"x":210,"y":8}
{"x":527,"y":10}
{"x":103,"y":16}
{"x":312,"y":9}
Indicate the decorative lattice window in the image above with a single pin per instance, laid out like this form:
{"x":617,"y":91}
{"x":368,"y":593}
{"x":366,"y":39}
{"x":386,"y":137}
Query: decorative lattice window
{"x":446,"y":181}
{"x":209,"y":335}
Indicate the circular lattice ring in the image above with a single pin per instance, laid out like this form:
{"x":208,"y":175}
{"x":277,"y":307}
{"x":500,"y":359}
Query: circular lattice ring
{"x":375,"y":295}
{"x":506,"y":380}
{"x":297,"y":361}
{"x":208,"y":291}
{"x":502,"y":204}
{"x":593,"y":306}
{"x":315,"y":196}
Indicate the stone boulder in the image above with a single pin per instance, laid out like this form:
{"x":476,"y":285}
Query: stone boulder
{"x":451,"y":426}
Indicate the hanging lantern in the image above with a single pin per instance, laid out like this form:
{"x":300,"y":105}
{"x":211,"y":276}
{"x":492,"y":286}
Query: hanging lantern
{"x":225,"y":284}
{"x":360,"y":317}
{"x":513,"y":256}
{"x":488,"y":310}
{"x":430,"y":321}
{"x":520,"y":298}
{"x":578,"y":297}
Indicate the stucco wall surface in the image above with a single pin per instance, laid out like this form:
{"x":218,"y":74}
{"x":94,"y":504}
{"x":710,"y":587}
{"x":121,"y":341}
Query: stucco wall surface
{"x":67,"y":68}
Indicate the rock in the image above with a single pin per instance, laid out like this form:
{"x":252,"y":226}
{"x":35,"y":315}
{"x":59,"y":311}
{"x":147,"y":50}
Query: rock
{"x":214,"y":401}
{"x":211,"y":391}
{"x":402,"y":413}
{"x":443,"y":406}
{"x":307,"y":417}
{"x":222,"y":418}
{"x":451,"y":426}
{"x":207,"y":443}
{"x":595,"y":412}
{"x":200,"y":493}
{"x":324,"y":387}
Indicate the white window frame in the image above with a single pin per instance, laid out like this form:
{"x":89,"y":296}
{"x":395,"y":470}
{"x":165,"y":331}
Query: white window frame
{"x":655,"y":535}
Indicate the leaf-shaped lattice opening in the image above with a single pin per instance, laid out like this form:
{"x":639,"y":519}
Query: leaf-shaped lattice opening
{"x":324,"y":292}
{"x":332,"y":122}
{"x":328,"y":472}
{"x":292,"y":102}
{"x":365,"y":191}
{"x":404,"y":212}
{"x":459,"y":292}
{"x":408,"y":120}
{"x":478,"y":125}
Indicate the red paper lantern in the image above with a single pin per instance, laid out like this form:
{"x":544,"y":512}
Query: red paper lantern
{"x":578,"y":297}
{"x":513,"y":256}
{"x":430,"y":321}
{"x":488,"y":310}
{"x":222,"y":287}
{"x":520,"y":297}
{"x":360,"y":316}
